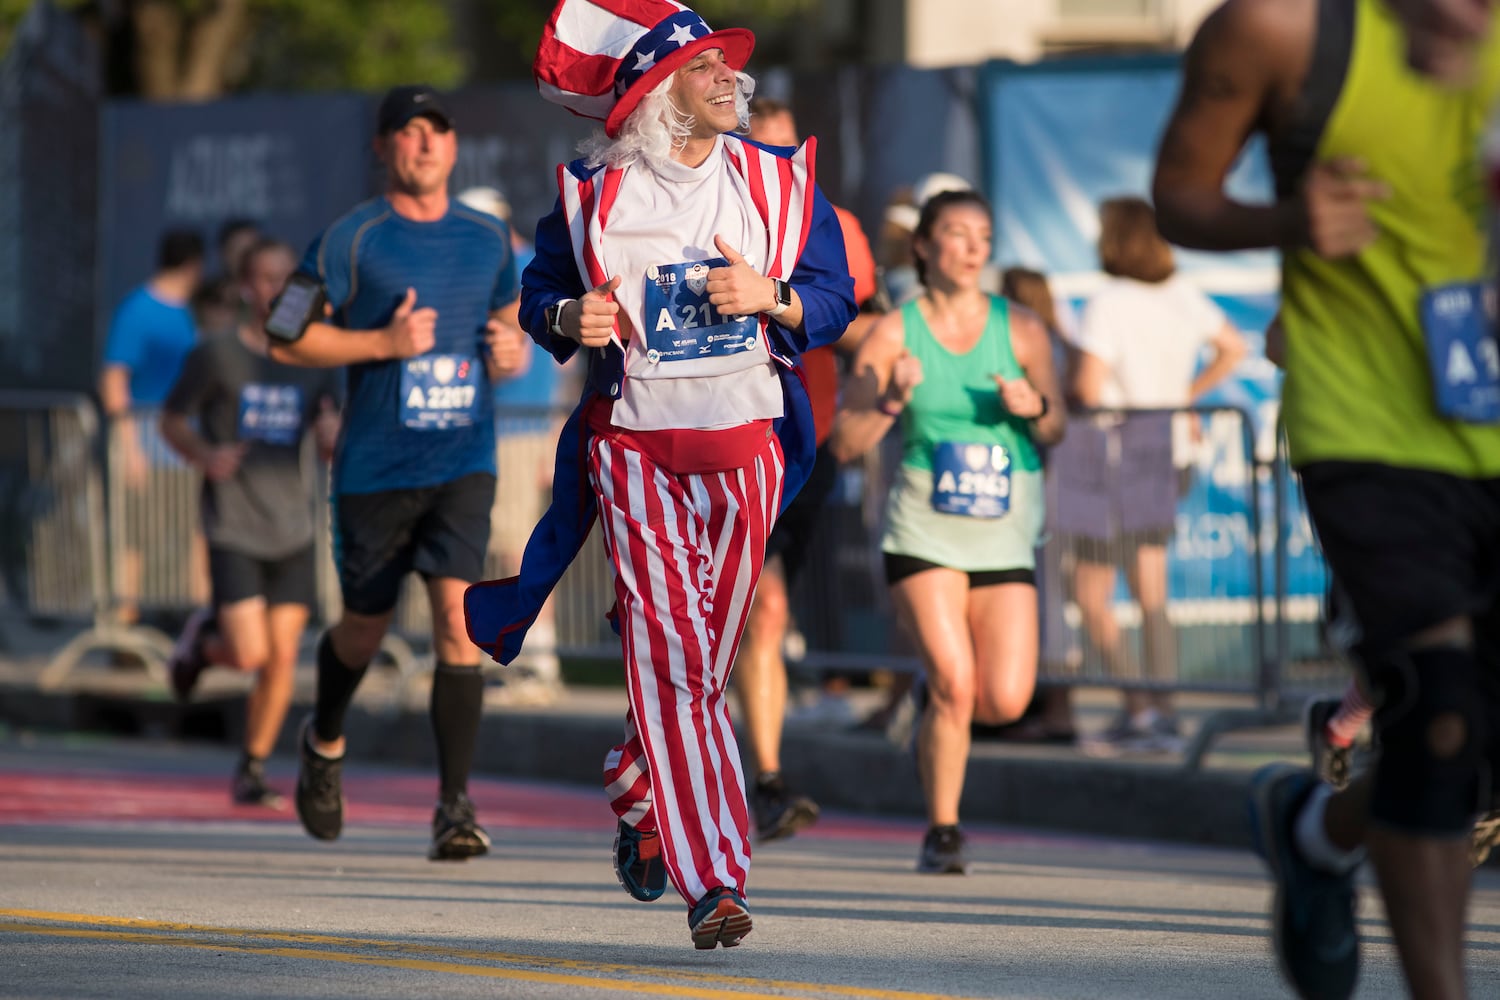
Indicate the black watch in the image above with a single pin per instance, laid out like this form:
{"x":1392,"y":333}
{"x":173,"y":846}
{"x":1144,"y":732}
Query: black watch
{"x":554,"y":316}
{"x":783,"y":297}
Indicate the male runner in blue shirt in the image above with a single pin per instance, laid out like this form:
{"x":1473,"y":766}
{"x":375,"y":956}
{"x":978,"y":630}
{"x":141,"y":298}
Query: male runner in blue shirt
{"x":423,"y":298}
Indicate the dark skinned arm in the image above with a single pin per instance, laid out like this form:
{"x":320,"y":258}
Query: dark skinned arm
{"x":1244,"y":56}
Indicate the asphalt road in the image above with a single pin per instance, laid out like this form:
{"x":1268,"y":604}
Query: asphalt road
{"x":125,"y":873}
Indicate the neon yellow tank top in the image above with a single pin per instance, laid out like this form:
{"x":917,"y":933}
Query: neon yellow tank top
{"x":1358,"y":386}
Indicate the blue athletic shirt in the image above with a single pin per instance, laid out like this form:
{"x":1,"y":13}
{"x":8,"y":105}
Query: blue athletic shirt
{"x":152,"y":338}
{"x":462,"y":266}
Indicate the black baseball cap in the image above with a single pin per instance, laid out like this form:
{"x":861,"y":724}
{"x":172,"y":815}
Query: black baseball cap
{"x":401,"y":104}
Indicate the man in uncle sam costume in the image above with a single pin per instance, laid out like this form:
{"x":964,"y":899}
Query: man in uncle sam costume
{"x":694,"y":266}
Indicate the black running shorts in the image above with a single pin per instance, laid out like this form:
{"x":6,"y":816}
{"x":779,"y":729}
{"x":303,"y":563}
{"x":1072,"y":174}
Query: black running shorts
{"x":239,"y":577}
{"x":792,"y":535}
{"x":1410,"y":548}
{"x":437,"y":531}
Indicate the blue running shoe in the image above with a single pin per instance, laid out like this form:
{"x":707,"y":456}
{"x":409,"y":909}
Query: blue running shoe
{"x":1313,"y":915}
{"x":721,"y":917}
{"x":638,"y":863}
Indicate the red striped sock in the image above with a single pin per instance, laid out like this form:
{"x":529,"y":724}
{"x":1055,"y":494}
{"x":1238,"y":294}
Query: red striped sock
{"x":1353,"y":714}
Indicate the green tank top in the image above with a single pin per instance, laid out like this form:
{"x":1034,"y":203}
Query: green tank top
{"x":957,"y":399}
{"x":1358,"y":385}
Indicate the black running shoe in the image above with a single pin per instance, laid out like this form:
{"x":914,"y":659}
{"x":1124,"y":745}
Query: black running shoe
{"x":187,"y":662}
{"x":1332,"y":763}
{"x":320,"y":789}
{"x":1486,"y":836}
{"x":720,"y":918}
{"x":250,"y":788}
{"x":943,"y":852}
{"x":455,"y":834}
{"x":638,"y":862}
{"x":777,"y":813}
{"x":1313,"y":915}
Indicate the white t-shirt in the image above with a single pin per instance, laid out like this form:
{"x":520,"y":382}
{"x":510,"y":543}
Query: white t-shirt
{"x":1151,"y":337}
{"x":669,"y":215}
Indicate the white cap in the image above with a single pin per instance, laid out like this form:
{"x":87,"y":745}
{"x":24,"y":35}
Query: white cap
{"x":937,"y":183}
{"x":905,"y":216}
{"x":486,"y":199}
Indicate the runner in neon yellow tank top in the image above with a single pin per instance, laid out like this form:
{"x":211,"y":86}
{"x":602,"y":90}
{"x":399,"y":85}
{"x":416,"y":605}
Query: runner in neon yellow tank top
{"x":1392,"y":410}
{"x":970,"y":379}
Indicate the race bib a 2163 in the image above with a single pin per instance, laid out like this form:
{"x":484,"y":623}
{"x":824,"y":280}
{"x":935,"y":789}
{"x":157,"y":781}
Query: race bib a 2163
{"x":970,"y":479}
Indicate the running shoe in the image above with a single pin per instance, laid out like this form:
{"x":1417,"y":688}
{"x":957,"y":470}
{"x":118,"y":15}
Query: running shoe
{"x":943,"y":852}
{"x":250,"y":789}
{"x":455,"y":834}
{"x":1313,"y":915}
{"x":1149,"y":732}
{"x":777,"y":813}
{"x":1332,"y":763}
{"x":320,"y":788}
{"x":638,"y":863}
{"x":720,"y":918}
{"x":187,"y":662}
{"x":1486,"y":836}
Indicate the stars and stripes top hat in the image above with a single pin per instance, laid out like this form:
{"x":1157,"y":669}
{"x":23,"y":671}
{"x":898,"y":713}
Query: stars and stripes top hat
{"x":598,"y":58}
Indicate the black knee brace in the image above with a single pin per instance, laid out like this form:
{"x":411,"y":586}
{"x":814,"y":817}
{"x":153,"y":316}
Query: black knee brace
{"x":1434,"y":740}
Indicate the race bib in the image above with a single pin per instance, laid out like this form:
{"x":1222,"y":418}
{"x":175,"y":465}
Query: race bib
{"x":1462,"y":352}
{"x":972,"y":480}
{"x":271,"y":413}
{"x":439,"y":391}
{"x":681,"y":324}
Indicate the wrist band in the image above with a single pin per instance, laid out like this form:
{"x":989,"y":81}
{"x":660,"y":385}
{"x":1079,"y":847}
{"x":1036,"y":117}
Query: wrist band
{"x":886,"y":407}
{"x":1045,"y":408}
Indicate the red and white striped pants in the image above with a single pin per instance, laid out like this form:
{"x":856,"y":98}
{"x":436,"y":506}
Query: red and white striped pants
{"x":687,"y":551}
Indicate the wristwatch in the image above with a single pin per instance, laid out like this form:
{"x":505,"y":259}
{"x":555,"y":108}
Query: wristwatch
{"x":783,"y":297}
{"x":554,"y":316}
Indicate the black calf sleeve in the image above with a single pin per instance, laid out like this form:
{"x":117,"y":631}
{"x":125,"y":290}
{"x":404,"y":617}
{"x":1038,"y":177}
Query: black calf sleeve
{"x":337,"y":683}
{"x":1433,"y":728}
{"x":455,"y":710}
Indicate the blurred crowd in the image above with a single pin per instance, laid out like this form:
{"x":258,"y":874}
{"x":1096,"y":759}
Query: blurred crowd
{"x":1145,"y":340}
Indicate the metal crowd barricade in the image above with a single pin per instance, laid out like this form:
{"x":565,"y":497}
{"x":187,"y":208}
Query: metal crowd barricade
{"x":1174,"y":498}
{"x":52,"y":548}
{"x":526,"y":448}
{"x":1155,"y":526}
{"x":158,"y":564}
{"x":1304,"y":664}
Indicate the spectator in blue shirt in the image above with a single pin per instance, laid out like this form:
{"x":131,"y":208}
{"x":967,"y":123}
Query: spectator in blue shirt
{"x":149,"y":338}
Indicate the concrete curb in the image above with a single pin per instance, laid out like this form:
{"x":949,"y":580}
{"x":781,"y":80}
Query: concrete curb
{"x":841,"y":771}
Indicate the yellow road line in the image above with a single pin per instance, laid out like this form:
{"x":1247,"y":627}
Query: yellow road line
{"x":148,"y":932}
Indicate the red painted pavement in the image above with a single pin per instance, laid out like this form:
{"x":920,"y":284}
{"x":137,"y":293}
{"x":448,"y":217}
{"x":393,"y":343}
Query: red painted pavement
{"x":114,"y":796}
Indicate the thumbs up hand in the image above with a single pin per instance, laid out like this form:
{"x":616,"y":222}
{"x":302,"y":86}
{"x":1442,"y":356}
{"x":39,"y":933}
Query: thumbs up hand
{"x":411,"y":330}
{"x":739,"y":289}
{"x":590,"y":320}
{"x":1020,"y":397}
{"x":906,"y":375}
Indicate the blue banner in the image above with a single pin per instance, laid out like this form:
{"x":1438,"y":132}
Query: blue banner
{"x":1063,"y":136}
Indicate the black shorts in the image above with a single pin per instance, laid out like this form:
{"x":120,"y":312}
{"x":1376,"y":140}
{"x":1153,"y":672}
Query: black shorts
{"x":1409,"y":548}
{"x":238,"y":577}
{"x":792,"y":535}
{"x":898,"y":567}
{"x":437,"y":531}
